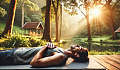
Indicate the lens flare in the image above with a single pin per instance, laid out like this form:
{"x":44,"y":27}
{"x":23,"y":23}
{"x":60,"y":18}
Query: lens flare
{"x":95,"y":12}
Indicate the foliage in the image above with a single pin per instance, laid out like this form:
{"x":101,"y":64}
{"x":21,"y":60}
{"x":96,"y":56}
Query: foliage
{"x":3,"y":7}
{"x":33,"y":42}
{"x":31,"y":11}
{"x":43,"y":11}
{"x":27,"y":18}
{"x":18,"y":40}
{"x":15,"y":41}
{"x":4,"y":1}
{"x":30,"y":6}
{"x":2,"y":12}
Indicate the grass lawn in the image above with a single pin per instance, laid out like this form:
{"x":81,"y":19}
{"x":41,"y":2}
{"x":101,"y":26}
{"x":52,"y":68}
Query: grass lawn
{"x":104,"y":53}
{"x":2,"y":26}
{"x":15,"y":28}
{"x":105,"y":39}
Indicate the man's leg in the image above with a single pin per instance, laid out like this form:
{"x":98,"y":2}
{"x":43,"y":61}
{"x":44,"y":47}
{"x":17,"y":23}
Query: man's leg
{"x":6,"y":56}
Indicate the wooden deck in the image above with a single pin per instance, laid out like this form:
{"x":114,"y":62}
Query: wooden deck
{"x":111,"y":62}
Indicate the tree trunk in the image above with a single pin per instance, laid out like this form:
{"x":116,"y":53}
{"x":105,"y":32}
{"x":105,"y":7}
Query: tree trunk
{"x":114,"y":36}
{"x":112,"y":21}
{"x":57,"y":28}
{"x":10,"y":20}
{"x":60,"y":21}
{"x":112,"y":26}
{"x":22,"y":14}
{"x":88,"y":25}
{"x":56,"y":20}
{"x":47,"y":30}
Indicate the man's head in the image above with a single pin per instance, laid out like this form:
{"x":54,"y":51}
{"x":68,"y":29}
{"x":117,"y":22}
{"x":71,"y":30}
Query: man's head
{"x":80,"y":53}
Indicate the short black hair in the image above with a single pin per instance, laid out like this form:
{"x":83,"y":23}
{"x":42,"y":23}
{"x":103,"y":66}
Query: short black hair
{"x":83,"y":57}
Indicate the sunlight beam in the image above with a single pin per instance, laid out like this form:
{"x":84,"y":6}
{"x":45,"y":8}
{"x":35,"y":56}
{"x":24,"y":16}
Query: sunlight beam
{"x":95,"y":12}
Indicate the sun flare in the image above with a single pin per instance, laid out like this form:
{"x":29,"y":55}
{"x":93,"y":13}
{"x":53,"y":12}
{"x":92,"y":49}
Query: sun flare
{"x":95,"y":12}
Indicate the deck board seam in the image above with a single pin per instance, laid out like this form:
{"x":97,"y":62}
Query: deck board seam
{"x":100,"y":63}
{"x":108,"y":63}
{"x":113,"y":60}
{"x":105,"y":57}
{"x":116,"y":57}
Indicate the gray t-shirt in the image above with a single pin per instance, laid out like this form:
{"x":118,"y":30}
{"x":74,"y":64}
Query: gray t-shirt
{"x":25,"y":55}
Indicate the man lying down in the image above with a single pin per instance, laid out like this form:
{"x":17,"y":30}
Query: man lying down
{"x":47,"y":55}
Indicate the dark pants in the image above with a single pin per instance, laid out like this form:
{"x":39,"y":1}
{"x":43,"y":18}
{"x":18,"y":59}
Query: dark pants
{"x":7,"y":56}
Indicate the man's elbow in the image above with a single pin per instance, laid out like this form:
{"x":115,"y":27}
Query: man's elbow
{"x":35,"y":63}
{"x":32,"y":64}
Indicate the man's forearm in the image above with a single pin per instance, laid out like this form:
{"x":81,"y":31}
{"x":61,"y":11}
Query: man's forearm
{"x":40,"y":54}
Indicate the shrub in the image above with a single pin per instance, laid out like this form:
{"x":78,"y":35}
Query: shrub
{"x":18,"y":40}
{"x":15,"y":41}
{"x":35,"y":43}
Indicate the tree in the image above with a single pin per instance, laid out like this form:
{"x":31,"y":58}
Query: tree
{"x":10,"y":20}
{"x":87,"y":5}
{"x":110,"y":9}
{"x":60,"y":21}
{"x":73,"y":4}
{"x":29,"y":9}
{"x":47,"y":30}
{"x":56,"y":19}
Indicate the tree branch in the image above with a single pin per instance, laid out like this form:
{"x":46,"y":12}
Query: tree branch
{"x":82,"y":12}
{"x":115,"y":4}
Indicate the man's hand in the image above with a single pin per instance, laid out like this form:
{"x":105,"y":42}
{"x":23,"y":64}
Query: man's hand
{"x":44,"y":47}
{"x":51,"y":45}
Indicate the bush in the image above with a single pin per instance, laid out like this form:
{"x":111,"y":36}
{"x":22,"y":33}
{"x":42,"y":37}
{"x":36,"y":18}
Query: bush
{"x":20,"y":41}
{"x":15,"y":41}
{"x":35,"y":43}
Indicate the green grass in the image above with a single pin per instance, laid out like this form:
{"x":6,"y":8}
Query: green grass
{"x":96,"y":39}
{"x":104,"y":53}
{"x":15,"y":28}
{"x":2,"y":26}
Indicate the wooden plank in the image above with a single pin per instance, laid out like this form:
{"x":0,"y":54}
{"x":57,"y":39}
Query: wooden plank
{"x":116,"y":56}
{"x":113,"y":58}
{"x":102,"y":62}
{"x":110,"y":61}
